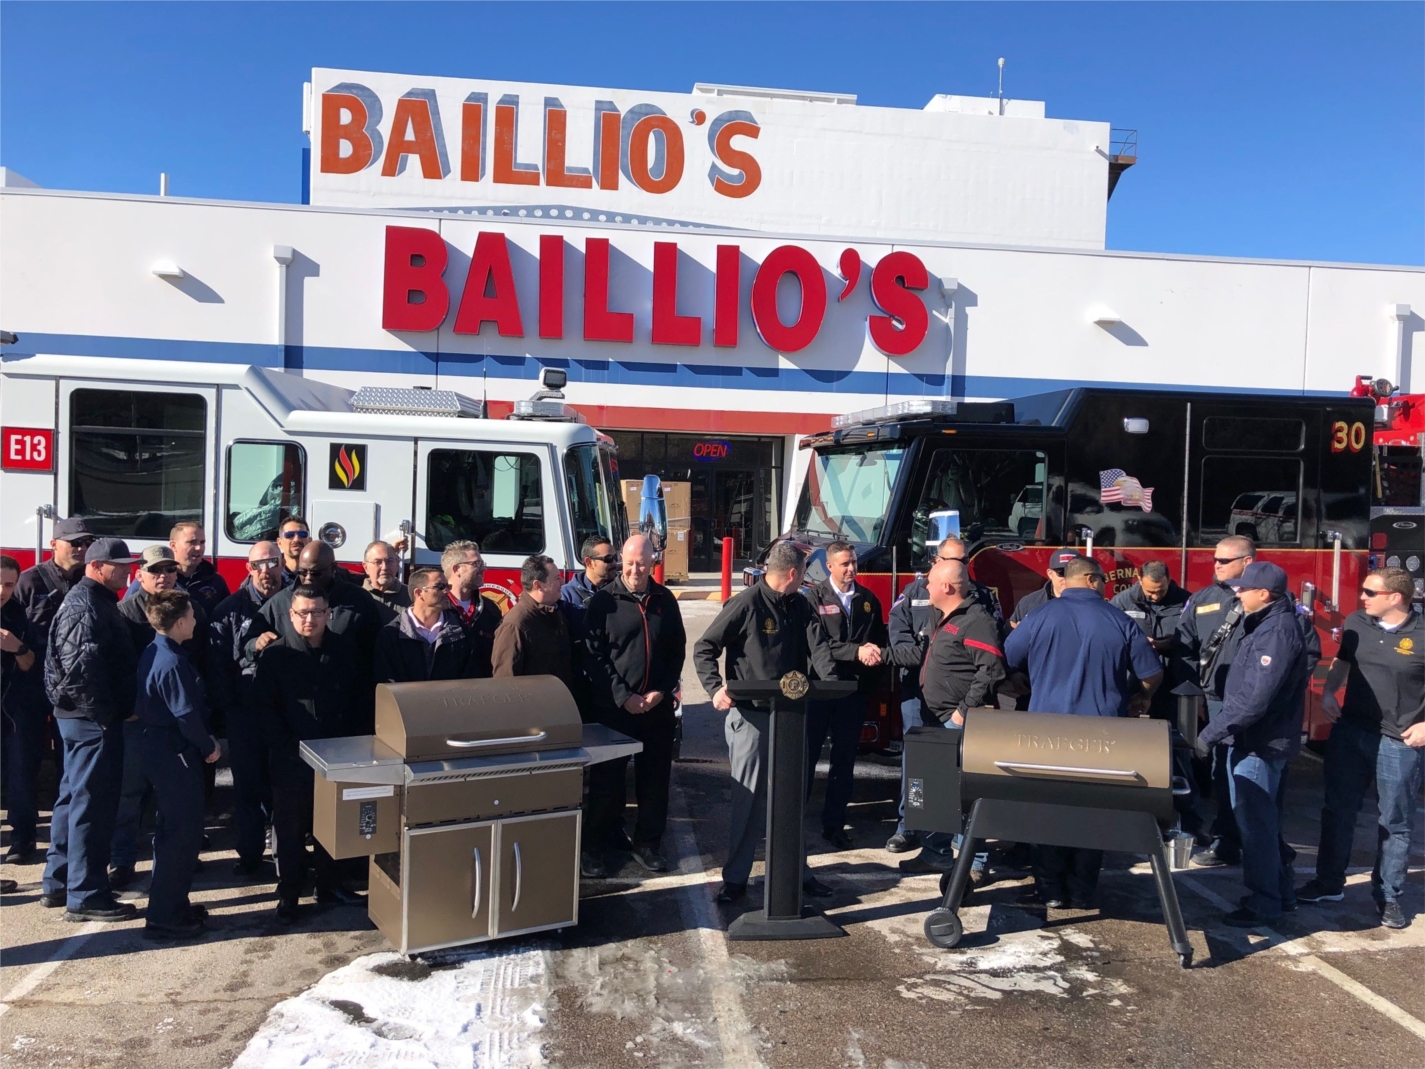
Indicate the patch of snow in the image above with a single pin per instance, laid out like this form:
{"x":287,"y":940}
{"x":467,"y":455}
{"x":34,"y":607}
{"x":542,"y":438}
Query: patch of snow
{"x":473,"y":1009}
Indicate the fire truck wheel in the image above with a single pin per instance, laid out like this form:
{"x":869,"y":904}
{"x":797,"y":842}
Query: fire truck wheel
{"x":943,"y":928}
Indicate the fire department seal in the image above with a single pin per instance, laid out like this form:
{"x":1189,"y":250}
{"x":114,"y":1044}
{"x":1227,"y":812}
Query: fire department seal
{"x":795,"y":686}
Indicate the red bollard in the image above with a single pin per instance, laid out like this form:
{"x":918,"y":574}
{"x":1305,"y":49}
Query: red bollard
{"x":658,"y":573}
{"x":727,"y":548}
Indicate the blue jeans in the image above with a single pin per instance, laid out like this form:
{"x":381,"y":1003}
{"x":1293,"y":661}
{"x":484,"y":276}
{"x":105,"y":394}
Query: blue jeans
{"x":1258,"y":788}
{"x":82,"y":823}
{"x":134,"y":791}
{"x":1354,"y":756}
{"x":177,"y":778}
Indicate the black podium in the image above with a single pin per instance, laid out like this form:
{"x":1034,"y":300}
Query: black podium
{"x":783,"y":916}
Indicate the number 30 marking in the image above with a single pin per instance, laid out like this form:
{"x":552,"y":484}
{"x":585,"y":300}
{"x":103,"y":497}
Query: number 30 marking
{"x":1343,"y":437}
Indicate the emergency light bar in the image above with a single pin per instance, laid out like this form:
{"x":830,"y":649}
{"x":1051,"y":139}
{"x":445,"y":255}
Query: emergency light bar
{"x":402,"y":401}
{"x":553,"y":411}
{"x":971,"y":412}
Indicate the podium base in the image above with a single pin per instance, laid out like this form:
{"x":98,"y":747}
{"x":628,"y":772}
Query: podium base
{"x":812,"y":924}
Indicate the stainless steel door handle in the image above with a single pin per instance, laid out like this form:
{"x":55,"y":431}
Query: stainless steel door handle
{"x":475,"y":886}
{"x":519,"y":879}
{"x":1119,"y":774}
{"x":470,"y":744}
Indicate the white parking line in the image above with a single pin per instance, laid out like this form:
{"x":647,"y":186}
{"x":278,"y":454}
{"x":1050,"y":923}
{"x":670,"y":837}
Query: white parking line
{"x":1295,"y":949}
{"x":739,"y":1050}
{"x":42,"y":971}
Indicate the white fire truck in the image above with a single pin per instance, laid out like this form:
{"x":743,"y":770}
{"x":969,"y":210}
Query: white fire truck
{"x":135,"y":446}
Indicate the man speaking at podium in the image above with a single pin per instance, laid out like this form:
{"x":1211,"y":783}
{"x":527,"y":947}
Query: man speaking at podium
{"x":767,"y":630}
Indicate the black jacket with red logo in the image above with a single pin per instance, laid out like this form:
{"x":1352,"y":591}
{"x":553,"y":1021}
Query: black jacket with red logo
{"x":964,"y":662}
{"x":634,"y":643}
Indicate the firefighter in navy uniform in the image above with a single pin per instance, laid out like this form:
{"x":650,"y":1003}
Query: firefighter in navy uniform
{"x":851,"y":617}
{"x":766,"y":631}
{"x":1208,"y":635}
{"x":1262,"y":703}
{"x":1378,"y":734}
{"x":910,"y":630}
{"x":1049,"y":591}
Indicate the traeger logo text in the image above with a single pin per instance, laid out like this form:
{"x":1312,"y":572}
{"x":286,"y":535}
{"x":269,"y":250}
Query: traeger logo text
{"x":463,"y":700}
{"x":1059,"y":742}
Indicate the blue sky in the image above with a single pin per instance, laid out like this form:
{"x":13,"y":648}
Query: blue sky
{"x":1274,"y":130}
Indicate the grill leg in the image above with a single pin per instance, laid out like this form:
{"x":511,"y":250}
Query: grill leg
{"x":1168,"y":899}
{"x":960,"y":875}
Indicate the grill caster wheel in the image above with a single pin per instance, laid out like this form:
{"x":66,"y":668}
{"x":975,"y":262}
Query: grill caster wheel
{"x":943,"y":928}
{"x":945,"y":887}
{"x":1185,"y":960}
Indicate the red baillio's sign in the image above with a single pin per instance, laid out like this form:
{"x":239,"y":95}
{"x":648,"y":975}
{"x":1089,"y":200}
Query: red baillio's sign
{"x":416,"y":297}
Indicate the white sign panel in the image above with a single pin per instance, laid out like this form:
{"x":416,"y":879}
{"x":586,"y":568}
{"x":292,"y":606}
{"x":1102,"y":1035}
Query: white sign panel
{"x":756,"y":162}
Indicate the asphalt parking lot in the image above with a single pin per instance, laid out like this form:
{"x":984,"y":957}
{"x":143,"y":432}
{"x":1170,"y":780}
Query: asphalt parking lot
{"x":648,"y":976}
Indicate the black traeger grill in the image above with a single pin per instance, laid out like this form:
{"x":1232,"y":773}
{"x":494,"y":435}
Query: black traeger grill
{"x":467,"y":799}
{"x":1093,"y":782}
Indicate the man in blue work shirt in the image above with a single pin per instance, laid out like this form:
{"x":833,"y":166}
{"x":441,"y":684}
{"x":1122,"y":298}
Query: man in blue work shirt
{"x":175,"y":744}
{"x":1087,"y":658}
{"x":1260,"y":720}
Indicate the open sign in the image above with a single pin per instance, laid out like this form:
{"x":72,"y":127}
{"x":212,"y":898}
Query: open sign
{"x":714,"y":449}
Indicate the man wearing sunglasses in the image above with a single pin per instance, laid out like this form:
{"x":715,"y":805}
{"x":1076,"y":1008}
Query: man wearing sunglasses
{"x":425,"y":641}
{"x":1263,"y":699}
{"x":1378,"y":734}
{"x":158,"y":571}
{"x":352,"y":611}
{"x":292,"y":536}
{"x":601,"y":566}
{"x":230,"y":676}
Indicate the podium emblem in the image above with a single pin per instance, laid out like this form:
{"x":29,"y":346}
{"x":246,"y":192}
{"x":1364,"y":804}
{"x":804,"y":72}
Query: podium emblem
{"x":795,"y":686}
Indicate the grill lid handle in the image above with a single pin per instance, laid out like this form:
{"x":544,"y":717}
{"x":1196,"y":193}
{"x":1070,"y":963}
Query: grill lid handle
{"x":470,"y":744}
{"x":1119,"y":775}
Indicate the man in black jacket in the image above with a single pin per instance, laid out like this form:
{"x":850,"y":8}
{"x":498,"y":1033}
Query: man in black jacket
{"x":764,"y":632}
{"x":960,"y":668}
{"x":42,"y":588}
{"x":851,"y":617}
{"x":910,"y":620}
{"x":464,"y":569}
{"x":308,"y":686}
{"x":1049,"y":591}
{"x":91,"y":678}
{"x":23,"y":708}
{"x":425,"y":641}
{"x":351,"y":610}
{"x":1260,"y":723}
{"x":635,"y":645}
{"x":231,"y":669}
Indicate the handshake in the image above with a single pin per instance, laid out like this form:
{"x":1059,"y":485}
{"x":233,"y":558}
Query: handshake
{"x":869,"y":655}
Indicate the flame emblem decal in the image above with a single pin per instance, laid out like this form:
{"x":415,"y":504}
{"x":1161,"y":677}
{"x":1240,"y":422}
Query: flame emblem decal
{"x":348,"y":467}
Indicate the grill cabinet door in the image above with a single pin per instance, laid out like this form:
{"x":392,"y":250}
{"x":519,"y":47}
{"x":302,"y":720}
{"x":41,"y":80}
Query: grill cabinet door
{"x":449,"y":879}
{"x":538,"y":872}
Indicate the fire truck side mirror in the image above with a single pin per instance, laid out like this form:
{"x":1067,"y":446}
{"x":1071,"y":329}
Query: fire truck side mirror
{"x":653,"y":512}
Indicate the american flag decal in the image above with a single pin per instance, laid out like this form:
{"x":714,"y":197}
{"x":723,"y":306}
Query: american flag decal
{"x":1116,"y":485}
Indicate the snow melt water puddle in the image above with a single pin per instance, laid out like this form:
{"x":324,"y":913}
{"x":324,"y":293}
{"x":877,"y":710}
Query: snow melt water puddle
{"x":1024,"y":958}
{"x":467,"y":1010}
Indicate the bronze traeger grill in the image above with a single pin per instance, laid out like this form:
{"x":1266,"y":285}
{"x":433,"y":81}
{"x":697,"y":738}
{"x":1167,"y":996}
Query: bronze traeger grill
{"x":467,"y":799}
{"x":1093,"y":782}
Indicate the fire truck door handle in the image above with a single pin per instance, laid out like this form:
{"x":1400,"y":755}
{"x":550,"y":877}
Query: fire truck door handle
{"x":519,"y":878}
{"x":470,"y":744}
{"x":475,"y":885}
{"x":1119,"y":774}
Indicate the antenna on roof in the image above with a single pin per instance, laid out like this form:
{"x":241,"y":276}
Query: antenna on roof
{"x":1001,"y":85}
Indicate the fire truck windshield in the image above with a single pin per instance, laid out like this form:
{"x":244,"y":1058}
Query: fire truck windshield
{"x":847,"y":492}
{"x":591,"y":479}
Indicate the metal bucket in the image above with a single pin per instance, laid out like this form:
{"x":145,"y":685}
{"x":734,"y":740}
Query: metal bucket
{"x":1179,"y":845}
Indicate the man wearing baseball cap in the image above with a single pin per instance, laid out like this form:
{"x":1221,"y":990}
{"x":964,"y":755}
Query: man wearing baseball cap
{"x":1262,"y":704}
{"x":91,"y":679}
{"x":1052,"y":589}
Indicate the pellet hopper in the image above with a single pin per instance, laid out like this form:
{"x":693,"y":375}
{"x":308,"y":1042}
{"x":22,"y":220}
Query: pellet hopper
{"x":467,"y":800}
